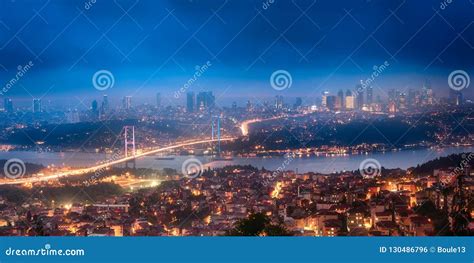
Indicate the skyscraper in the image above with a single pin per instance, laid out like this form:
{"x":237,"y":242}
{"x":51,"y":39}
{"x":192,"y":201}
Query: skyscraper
{"x":279,"y":102}
{"x":340,"y":102}
{"x":324,"y":97}
{"x":402,"y":101}
{"x":94,"y":106}
{"x":298,"y":102}
{"x":427,"y":94}
{"x":370,"y":95}
{"x":190,"y":102}
{"x":360,"y":97}
{"x":211,"y":99}
{"x":127,"y":102}
{"x":249,"y":106}
{"x":105,"y":103}
{"x":392,"y":95}
{"x":201,"y":101}
{"x":392,"y":107}
{"x":331,"y":102}
{"x":456,"y":97}
{"x":205,"y":100}
{"x":350,"y":100}
{"x":72,"y":116}
{"x":36,"y":105}
{"x":95,"y":109}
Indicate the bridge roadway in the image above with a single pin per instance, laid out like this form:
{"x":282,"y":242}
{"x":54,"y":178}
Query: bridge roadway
{"x":92,"y":169}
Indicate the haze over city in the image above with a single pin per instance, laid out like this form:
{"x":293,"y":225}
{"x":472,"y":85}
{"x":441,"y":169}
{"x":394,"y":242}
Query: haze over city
{"x":236,"y":118}
{"x":323,"y":46}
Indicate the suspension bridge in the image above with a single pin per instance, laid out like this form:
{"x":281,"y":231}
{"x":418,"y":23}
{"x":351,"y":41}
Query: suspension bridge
{"x":130,"y":154}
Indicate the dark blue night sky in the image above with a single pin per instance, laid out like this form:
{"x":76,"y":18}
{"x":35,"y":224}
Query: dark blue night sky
{"x":154,"y":46}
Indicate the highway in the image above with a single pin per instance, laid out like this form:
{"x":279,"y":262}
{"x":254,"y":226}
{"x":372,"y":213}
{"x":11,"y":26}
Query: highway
{"x":244,"y":126}
{"x":109,"y":163}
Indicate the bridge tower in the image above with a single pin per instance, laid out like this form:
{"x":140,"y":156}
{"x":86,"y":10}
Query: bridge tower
{"x":129,"y":141}
{"x":216,"y":133}
{"x":129,"y":136}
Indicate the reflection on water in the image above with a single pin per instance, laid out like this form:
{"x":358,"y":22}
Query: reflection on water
{"x":400,"y":159}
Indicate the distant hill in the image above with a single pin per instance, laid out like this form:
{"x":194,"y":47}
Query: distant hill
{"x":453,"y":160}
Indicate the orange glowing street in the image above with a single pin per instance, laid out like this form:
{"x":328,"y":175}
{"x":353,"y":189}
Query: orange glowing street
{"x":105,"y":165}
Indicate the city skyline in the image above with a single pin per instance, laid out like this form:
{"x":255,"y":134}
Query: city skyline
{"x":237,"y":118}
{"x":367,"y":95}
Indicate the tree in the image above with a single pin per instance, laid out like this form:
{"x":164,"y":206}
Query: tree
{"x":135,"y":206}
{"x":257,"y":224}
{"x":460,"y":223}
{"x":38,"y":226}
{"x":276,"y":230}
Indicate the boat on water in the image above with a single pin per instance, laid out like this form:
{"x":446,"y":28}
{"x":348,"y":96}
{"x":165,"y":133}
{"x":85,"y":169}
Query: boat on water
{"x":222,"y":158}
{"x":164,"y":158}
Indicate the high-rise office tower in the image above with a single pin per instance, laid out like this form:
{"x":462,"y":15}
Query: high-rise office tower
{"x":350,"y":100}
{"x":127,"y":102}
{"x":378,"y":99}
{"x":249,"y":106}
{"x":37,"y":105}
{"x":456,"y":97}
{"x":211,"y":99}
{"x":359,"y":97}
{"x":298,"y":103}
{"x":201,"y":101}
{"x":331,"y":102}
{"x":427,"y":93}
{"x":340,"y":102}
{"x":324,"y":97}
{"x":94,"y":106}
{"x":190,"y":102}
{"x":205,"y":100}
{"x":392,"y":107}
{"x":402,"y":101}
{"x":430,"y":96}
{"x":95,"y":109}
{"x":392,"y":95}
{"x":279,"y":102}
{"x":370,"y":95}
{"x":105,"y":103}
{"x":72,"y":116}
